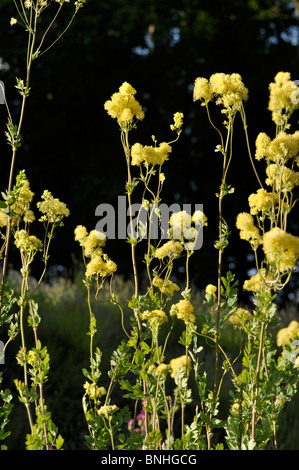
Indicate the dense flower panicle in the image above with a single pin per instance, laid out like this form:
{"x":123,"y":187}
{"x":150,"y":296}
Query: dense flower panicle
{"x":166,"y":286}
{"x":282,"y":148}
{"x":229,"y":91}
{"x":248,"y":231}
{"x":171,"y":249}
{"x":81,"y":234}
{"x":202,"y":90}
{"x":240,"y":318}
{"x":281,"y":177}
{"x":53,"y":209}
{"x":178,"y":122}
{"x":184,"y":311}
{"x":262,"y":201}
{"x":98,"y":266}
{"x":211,"y":289}
{"x":27,"y":243}
{"x":281,"y":100}
{"x":123,"y":106}
{"x":21,"y":207}
{"x":154,"y":317}
{"x":107,"y":410}
{"x":93,"y":243}
{"x":286,"y":335}
{"x":258,"y":281}
{"x":182,"y":362}
{"x":93,"y":391}
{"x":281,"y":248}
{"x":149,"y":155}
{"x":199,"y":218}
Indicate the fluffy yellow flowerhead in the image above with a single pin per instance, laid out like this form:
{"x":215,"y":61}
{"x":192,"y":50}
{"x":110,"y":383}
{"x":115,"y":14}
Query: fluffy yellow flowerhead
{"x":286,"y":335}
{"x":171,"y":249}
{"x":262,"y":201}
{"x":258,"y":281}
{"x":124,"y":107}
{"x":182,"y":362}
{"x":281,"y":100}
{"x":240,"y":318}
{"x":211,"y":289}
{"x":53,"y":209}
{"x":93,"y":243}
{"x":248,"y":231}
{"x":166,"y":286}
{"x":281,"y":149}
{"x":202,"y":90}
{"x":154,"y":317}
{"x":27,"y":243}
{"x":149,"y":155}
{"x":230,"y":91}
{"x":184,"y":311}
{"x":281,"y":177}
{"x":281,"y":248}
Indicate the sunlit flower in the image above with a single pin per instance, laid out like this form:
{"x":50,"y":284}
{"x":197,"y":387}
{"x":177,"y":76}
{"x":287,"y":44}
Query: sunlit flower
{"x":182,"y":362}
{"x":53,"y":209}
{"x":123,"y":106}
{"x":171,"y":249}
{"x":281,"y":102}
{"x":262,"y":201}
{"x":248,"y":231}
{"x":183,"y":311}
{"x":286,"y":335}
{"x":281,"y":248}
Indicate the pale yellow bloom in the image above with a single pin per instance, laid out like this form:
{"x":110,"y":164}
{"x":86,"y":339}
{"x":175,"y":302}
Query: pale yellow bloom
{"x":288,"y":334}
{"x":150,"y":155}
{"x":93,"y":391}
{"x":281,"y":177}
{"x":281,"y":102}
{"x":107,"y":410}
{"x":259,"y":281}
{"x":123,"y":106}
{"x":248,"y":231}
{"x":81,"y":234}
{"x":230,"y":91}
{"x":53,"y":209}
{"x":13,"y":21}
{"x":182,"y":362}
{"x":281,"y":248}
{"x":166,"y":286}
{"x":211,"y":289}
{"x":262,"y":201}
{"x":93,"y":243}
{"x":202,"y":90}
{"x":184,"y":311}
{"x":154,"y":317}
{"x":240,"y":318}
{"x":27,"y":243}
{"x":171,"y":249}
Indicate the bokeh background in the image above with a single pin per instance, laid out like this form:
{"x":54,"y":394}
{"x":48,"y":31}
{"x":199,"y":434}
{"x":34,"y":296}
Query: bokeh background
{"x":72,"y":147}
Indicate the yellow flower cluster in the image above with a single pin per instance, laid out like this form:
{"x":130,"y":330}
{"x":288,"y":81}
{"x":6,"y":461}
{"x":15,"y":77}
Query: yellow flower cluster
{"x":281,"y":102}
{"x":149,"y":155}
{"x":258,"y":281}
{"x":178,"y":122}
{"x":181,"y":227}
{"x":53,"y":209}
{"x":240,"y":318}
{"x":262,"y":201}
{"x":184,"y":311}
{"x":281,"y":177}
{"x":92,"y":244}
{"x":179,"y":363}
{"x":93,"y":391}
{"x":248,"y":231}
{"x":283,"y":147}
{"x":166,"y":286}
{"x":281,"y":248}
{"x":107,"y":410}
{"x":21,"y":207}
{"x":154,"y":317}
{"x":27,"y":243}
{"x":229,"y":91}
{"x":288,"y":334}
{"x":211,"y":289}
{"x":170,"y":249}
{"x":124,"y":107}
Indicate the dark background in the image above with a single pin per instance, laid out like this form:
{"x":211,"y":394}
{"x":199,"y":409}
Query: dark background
{"x":71,"y":146}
